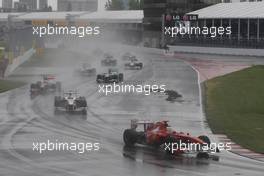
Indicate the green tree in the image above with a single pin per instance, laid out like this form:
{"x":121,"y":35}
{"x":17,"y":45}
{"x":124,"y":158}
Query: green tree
{"x":114,"y":5}
{"x":136,"y":4}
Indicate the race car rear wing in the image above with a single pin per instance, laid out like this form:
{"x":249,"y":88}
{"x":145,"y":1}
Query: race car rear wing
{"x":145,"y":123}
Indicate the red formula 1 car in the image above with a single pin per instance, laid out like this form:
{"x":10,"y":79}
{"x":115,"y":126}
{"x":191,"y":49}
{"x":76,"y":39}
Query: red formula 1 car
{"x":160,"y":135}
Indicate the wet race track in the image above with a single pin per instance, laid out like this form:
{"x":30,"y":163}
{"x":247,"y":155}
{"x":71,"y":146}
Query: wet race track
{"x":25,"y":121}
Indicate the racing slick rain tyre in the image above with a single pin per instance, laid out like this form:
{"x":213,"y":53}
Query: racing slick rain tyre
{"x":82,"y":102}
{"x":206,"y":140}
{"x":130,"y":137}
{"x":140,"y":66}
{"x":99,"y":79}
{"x":204,"y":155}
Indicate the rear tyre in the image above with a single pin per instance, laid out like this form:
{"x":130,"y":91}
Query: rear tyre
{"x":83,"y":102}
{"x":204,"y":155}
{"x":205,"y":139}
{"x":130,"y":137}
{"x":99,"y":78}
{"x":140,"y":66}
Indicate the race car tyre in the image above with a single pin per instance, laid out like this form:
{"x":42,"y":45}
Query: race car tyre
{"x":202,"y":155}
{"x":130,"y":137}
{"x":99,"y":78}
{"x":82,"y":102}
{"x":205,"y":139}
{"x":140,"y":65}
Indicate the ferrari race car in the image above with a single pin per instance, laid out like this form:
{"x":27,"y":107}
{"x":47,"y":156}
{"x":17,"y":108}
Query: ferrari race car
{"x":112,"y":76}
{"x":133,"y":65}
{"x":47,"y":84}
{"x":109,"y":61}
{"x":70,"y":102}
{"x":160,"y":135}
{"x":86,"y":70}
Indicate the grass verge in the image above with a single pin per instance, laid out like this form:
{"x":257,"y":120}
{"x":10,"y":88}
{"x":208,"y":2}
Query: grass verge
{"x":234,"y":106}
{"x":6,"y":85}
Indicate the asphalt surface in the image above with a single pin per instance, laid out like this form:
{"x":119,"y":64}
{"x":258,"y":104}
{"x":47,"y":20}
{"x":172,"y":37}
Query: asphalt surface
{"x":24,"y":121}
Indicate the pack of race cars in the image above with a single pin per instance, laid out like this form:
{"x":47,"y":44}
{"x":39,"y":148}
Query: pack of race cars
{"x":153,"y":134}
{"x":70,"y":101}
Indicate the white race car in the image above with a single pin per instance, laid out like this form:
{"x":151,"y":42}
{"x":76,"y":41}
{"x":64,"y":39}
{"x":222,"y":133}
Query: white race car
{"x":70,"y":102}
{"x":134,"y":64}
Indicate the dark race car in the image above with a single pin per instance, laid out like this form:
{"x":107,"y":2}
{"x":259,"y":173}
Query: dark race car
{"x":46,"y":85}
{"x":112,"y":76}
